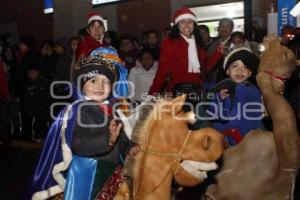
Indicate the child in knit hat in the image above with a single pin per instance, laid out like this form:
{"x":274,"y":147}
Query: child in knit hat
{"x":238,"y":105}
{"x":84,"y":147}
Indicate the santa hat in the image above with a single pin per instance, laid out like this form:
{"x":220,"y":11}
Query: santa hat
{"x":94,"y":16}
{"x":183,"y":13}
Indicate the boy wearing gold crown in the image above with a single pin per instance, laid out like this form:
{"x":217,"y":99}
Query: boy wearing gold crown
{"x":81,"y":156}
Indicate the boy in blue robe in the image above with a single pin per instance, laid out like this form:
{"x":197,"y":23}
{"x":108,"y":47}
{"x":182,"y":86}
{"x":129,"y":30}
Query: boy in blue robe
{"x":237,"y":103}
{"x":84,"y":145}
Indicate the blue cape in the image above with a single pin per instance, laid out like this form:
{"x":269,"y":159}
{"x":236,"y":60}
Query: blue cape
{"x":52,"y":154}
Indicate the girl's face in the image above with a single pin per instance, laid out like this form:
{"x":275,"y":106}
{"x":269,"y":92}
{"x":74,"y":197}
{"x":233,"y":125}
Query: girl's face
{"x":97,"y":88}
{"x":126,"y":45}
{"x":204,"y":35}
{"x":32,"y":74}
{"x":225,"y":29}
{"x":58,"y":49}
{"x":147,"y":60}
{"x":186,"y":27}
{"x":9,"y":53}
{"x":96,"y":30}
{"x":74,"y":45}
{"x":238,"y":72}
{"x":238,"y":40}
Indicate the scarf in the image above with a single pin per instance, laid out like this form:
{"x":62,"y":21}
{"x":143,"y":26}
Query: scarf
{"x":194,"y":64}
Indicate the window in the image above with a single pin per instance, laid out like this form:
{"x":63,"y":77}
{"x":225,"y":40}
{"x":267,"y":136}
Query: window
{"x":211,"y":14}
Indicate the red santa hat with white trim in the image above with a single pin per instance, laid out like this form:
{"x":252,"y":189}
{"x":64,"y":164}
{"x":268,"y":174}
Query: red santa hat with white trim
{"x":94,"y":16}
{"x":183,"y":13}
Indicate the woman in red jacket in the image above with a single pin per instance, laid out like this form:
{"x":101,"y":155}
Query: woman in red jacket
{"x":183,"y":57}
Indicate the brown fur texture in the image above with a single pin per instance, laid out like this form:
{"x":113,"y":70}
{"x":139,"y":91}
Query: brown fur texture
{"x":264,"y":165}
{"x":164,"y":139}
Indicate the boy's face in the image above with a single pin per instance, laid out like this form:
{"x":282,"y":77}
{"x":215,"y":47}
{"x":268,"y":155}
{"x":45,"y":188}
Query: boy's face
{"x":96,"y":30}
{"x":126,"y":45}
{"x":238,"y":40}
{"x":238,"y":72}
{"x":97,"y":88}
{"x":32,"y":74}
{"x":152,"y":39}
{"x":204,"y":35}
{"x":224,"y":29}
{"x":74,"y":45}
{"x":58,"y":49}
{"x":147,"y":61}
{"x":186,"y":27}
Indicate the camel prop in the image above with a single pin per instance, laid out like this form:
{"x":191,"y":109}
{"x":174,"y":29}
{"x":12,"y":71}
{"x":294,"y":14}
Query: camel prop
{"x":264,"y":165}
{"x":161,"y":131}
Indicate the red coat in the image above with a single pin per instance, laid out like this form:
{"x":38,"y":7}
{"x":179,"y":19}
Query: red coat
{"x":86,"y":46}
{"x":174,"y":62}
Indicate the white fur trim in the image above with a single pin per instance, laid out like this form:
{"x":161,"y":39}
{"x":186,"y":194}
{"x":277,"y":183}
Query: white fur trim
{"x":59,"y":167}
{"x":233,"y":52}
{"x":45,"y":194}
{"x":185,"y":16}
{"x":95,"y":17}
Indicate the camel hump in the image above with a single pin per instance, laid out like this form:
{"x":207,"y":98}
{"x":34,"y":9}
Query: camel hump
{"x":259,"y":139}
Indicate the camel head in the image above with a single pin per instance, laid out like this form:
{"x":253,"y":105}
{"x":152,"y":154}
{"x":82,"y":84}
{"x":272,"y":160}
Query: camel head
{"x":161,"y":128}
{"x":276,"y":60}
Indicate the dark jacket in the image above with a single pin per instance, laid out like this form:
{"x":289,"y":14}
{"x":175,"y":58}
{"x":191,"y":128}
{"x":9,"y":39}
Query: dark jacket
{"x":91,"y":134}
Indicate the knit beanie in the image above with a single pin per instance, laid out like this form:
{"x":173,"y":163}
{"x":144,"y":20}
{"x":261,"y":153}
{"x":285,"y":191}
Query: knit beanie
{"x":94,"y":66}
{"x":243,"y":54}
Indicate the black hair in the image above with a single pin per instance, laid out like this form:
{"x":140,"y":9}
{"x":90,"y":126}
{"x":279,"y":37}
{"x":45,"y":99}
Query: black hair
{"x":153,"y":31}
{"x":145,"y":33}
{"x":49,"y":42}
{"x":29,"y":41}
{"x":82,"y":32}
{"x":114,"y":38}
{"x":204,"y":27}
{"x":4,"y":52}
{"x":175,"y":34}
{"x":134,"y":39}
{"x":126,"y":37}
{"x":94,"y":21}
{"x":231,"y":23}
{"x":146,"y":50}
{"x":73,"y":38}
{"x":238,"y":34}
{"x":286,"y":27}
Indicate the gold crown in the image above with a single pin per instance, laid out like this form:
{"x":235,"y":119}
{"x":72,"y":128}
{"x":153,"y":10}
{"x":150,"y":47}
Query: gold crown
{"x":100,"y":59}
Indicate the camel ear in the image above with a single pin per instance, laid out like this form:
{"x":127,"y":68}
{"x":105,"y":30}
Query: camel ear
{"x":178,"y":102}
{"x":128,"y":123}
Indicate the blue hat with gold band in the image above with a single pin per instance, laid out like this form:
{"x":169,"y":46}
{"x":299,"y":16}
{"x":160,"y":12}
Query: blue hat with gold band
{"x":105,"y":61}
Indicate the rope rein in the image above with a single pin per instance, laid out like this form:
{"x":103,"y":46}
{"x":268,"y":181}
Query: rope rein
{"x":174,"y":166}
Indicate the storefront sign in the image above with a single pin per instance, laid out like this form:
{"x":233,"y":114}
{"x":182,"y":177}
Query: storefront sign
{"x":48,"y":6}
{"x":284,"y":16}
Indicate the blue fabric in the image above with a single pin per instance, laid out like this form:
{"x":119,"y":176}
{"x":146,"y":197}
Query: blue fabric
{"x":51,"y":154}
{"x":52,"y":151}
{"x":80,"y":178}
{"x":244,"y":93}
